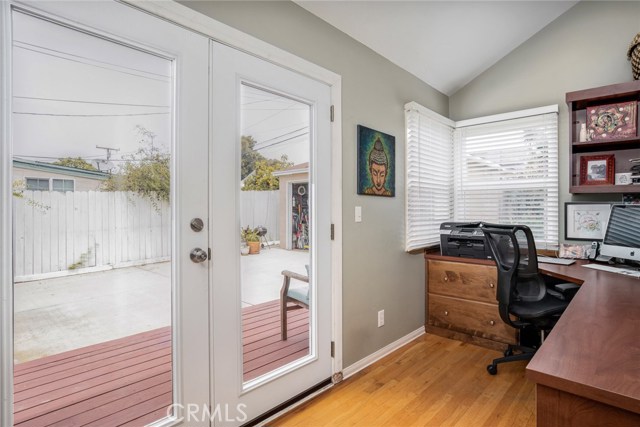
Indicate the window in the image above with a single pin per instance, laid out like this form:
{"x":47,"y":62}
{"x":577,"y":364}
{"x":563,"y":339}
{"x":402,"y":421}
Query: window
{"x":429,"y":184}
{"x":62,"y":185}
{"x":501,"y":169}
{"x":506,"y":171}
{"x":37,"y":184}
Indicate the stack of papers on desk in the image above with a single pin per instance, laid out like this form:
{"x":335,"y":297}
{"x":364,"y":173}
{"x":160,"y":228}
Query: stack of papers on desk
{"x":633,"y":272}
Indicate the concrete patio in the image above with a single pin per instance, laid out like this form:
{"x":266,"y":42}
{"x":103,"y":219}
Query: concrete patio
{"x":61,"y":314}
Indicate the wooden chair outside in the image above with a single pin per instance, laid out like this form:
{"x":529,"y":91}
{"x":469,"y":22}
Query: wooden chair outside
{"x":298,"y":296}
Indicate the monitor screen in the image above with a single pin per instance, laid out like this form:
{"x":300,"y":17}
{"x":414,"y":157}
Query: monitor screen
{"x":622,"y":238}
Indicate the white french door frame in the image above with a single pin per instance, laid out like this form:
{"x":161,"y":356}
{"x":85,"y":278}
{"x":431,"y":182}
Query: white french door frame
{"x":179,"y":317}
{"x":219,"y":32}
{"x":225,"y":34}
{"x":6,"y":269}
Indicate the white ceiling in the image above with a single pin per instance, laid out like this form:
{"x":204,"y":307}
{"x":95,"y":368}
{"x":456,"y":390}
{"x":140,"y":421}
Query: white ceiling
{"x":444,"y":43}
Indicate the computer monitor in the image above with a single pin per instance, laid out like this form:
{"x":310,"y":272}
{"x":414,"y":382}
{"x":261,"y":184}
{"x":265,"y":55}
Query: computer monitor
{"x":622,"y":238}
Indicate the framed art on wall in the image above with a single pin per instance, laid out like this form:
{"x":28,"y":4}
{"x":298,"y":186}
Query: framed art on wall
{"x":376,"y":163}
{"x":597,"y":170}
{"x":585,"y":221}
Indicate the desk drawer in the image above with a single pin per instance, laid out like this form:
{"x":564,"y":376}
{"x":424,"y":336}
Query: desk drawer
{"x":474,"y":318}
{"x":457,"y":279}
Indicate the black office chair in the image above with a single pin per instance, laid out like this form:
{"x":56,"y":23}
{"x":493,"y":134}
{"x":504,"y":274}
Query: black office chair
{"x":524,"y":300}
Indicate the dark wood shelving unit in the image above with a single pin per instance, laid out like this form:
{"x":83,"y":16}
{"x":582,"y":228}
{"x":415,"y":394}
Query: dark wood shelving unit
{"x":622,"y":149}
{"x":614,"y":144}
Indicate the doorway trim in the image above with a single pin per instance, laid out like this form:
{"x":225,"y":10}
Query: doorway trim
{"x":232,"y":37}
{"x":6,"y":268}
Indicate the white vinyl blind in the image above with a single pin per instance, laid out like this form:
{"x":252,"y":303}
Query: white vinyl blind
{"x":506,"y":171}
{"x":429,"y":178}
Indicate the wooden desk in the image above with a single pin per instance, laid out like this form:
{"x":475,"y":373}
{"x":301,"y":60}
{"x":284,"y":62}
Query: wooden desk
{"x":587,"y":372}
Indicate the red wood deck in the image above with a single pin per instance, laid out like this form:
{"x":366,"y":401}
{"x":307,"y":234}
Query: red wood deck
{"x":127,"y":382}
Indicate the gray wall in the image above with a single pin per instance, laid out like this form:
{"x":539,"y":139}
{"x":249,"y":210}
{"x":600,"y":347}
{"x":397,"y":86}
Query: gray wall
{"x":584,"y":48}
{"x":378,"y":274}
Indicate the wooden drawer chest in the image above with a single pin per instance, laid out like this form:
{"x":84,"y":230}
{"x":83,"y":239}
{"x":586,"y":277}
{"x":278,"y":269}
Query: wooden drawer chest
{"x":461,"y":301}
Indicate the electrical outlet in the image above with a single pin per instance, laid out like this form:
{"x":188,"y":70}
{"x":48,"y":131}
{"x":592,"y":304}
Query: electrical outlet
{"x":380,"y":318}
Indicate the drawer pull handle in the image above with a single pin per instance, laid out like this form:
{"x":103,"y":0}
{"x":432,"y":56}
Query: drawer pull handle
{"x":446,"y":313}
{"x":492,"y":323}
{"x":446,"y":279}
{"x":491,"y":285}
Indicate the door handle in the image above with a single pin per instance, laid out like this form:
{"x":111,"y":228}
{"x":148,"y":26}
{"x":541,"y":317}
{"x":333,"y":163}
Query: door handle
{"x":198,"y":255}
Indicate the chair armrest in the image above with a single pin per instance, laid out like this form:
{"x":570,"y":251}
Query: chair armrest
{"x":287,"y":276}
{"x":296,"y":276}
{"x":287,"y":294}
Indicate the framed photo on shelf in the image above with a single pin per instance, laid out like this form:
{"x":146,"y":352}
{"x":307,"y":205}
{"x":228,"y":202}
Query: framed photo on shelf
{"x":585,"y":221}
{"x":612,"y":121}
{"x":597,"y":170}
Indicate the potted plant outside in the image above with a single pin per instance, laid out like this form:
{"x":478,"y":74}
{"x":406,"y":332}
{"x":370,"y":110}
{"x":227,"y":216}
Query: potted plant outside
{"x":252,"y":238}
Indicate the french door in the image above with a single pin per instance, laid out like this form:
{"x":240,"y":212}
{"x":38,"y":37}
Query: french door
{"x":108,"y":164}
{"x":141,"y":157}
{"x":264,"y":117}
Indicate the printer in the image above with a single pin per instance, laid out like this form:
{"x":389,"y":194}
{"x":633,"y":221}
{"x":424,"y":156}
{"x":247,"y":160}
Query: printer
{"x":463,"y":239}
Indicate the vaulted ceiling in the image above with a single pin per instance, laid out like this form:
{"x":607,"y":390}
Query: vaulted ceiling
{"x":444,"y":43}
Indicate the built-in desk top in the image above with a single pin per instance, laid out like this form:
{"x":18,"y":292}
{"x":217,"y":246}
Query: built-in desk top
{"x":594,"y":349}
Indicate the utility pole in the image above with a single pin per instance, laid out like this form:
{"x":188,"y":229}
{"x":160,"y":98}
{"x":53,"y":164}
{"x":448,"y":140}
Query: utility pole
{"x":109,"y":150}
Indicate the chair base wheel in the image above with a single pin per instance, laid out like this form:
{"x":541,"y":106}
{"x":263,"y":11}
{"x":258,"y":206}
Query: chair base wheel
{"x":492,"y":369}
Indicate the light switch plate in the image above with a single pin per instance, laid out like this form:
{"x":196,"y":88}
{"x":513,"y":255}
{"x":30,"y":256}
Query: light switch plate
{"x":358,"y":213}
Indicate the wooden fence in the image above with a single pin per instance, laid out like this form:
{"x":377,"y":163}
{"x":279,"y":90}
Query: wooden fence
{"x":260,"y":208}
{"x":56,"y":233}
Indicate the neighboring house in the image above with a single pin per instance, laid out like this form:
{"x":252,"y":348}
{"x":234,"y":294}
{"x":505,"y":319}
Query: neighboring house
{"x":294,"y":206}
{"x":41,"y":176}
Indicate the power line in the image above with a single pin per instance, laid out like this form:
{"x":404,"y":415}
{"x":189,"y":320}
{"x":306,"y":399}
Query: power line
{"x":284,"y":134}
{"x":257,"y":135}
{"x":81,"y":157}
{"x":284,"y":140}
{"x":91,"y":65}
{"x":275,"y":109}
{"x":91,"y":59}
{"x":90,"y":102}
{"x":87,"y":115}
{"x":271,"y":116}
{"x":258,"y":100}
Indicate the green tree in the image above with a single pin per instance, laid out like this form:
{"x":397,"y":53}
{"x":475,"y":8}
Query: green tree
{"x":262,"y":179}
{"x":146,"y":172}
{"x":249,"y":156}
{"x":75,"y":162}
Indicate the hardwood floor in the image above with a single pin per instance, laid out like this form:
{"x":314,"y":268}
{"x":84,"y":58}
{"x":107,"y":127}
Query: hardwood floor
{"x":432,"y":381}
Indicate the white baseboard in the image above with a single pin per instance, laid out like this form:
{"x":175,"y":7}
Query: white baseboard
{"x":374,"y":357}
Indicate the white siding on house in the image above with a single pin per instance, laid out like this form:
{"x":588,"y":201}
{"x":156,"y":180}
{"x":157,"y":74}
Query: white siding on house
{"x":81,"y":184}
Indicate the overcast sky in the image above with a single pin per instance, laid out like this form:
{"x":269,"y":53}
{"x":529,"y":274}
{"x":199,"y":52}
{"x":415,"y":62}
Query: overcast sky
{"x":73,"y":91}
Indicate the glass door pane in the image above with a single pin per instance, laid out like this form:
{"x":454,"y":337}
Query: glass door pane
{"x":92,"y":132}
{"x":275,"y":221}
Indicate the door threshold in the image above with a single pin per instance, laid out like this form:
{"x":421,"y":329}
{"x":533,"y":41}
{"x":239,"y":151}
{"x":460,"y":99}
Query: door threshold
{"x":289,"y":404}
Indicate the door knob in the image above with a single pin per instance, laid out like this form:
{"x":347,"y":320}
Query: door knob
{"x":198,"y":255}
